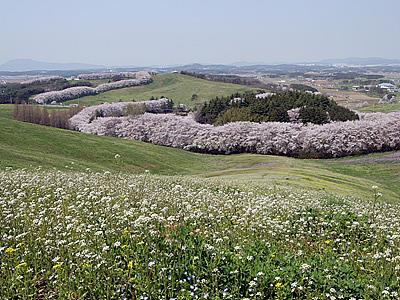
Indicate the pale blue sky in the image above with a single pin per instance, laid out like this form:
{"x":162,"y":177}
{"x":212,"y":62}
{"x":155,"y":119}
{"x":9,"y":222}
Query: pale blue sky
{"x":122,"y":32}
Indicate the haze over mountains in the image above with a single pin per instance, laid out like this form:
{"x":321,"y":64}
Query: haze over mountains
{"x":30,"y":65}
{"x":21,"y":65}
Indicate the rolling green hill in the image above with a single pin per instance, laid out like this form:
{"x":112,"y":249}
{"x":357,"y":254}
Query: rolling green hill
{"x":24,"y":145}
{"x":178,"y":87}
{"x":31,"y":145}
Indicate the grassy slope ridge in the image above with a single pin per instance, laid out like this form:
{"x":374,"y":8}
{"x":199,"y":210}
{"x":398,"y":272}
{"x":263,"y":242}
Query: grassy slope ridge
{"x":29,"y":145}
{"x":178,"y":87}
{"x":24,"y":145}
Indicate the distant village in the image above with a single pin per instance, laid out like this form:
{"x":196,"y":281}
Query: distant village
{"x":386,"y":86}
{"x":389,"y":90}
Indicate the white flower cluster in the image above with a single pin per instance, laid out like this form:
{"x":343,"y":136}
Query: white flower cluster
{"x":121,"y":84}
{"x":70,"y":228}
{"x":109,"y":75}
{"x":264,"y":95}
{"x":82,"y":91}
{"x":98,"y":119}
{"x":64,"y":95}
{"x":294,"y":115}
{"x":46,"y":79}
{"x":372,"y":133}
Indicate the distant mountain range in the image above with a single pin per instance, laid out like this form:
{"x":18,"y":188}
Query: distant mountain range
{"x":33,"y":65}
{"x":26,"y":65}
{"x":248,"y":63}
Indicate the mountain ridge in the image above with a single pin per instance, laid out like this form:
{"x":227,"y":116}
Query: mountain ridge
{"x":27,"y":64}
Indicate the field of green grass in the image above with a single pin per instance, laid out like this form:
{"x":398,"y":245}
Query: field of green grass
{"x":385,"y":108}
{"x":177,"y":87}
{"x":24,"y":145}
{"x":31,"y":145}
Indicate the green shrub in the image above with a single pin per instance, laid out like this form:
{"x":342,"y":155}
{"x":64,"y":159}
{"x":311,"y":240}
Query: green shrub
{"x":340,"y":113}
{"x":314,"y":115}
{"x":233,"y":114}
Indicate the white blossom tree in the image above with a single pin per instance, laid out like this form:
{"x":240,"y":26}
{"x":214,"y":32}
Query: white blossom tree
{"x":372,"y":133}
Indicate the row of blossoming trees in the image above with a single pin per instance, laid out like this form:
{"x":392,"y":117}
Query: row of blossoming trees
{"x":111,"y":75}
{"x":72,"y":93}
{"x":21,"y":92}
{"x":371,"y":133}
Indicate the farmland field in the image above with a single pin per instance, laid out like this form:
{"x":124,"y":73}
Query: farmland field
{"x":177,"y":87}
{"x":350,"y":99}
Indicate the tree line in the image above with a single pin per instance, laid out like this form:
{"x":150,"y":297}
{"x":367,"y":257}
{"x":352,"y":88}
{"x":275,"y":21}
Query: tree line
{"x":21,"y":92}
{"x":291,"y":106}
{"x":43,"y":116}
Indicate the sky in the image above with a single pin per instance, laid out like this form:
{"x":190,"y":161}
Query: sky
{"x":168,"y":32}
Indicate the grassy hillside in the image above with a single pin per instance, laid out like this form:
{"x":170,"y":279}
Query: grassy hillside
{"x":385,"y":108}
{"x":178,"y":87}
{"x":24,"y":145}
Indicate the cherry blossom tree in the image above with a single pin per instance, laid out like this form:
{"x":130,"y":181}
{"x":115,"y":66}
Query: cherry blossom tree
{"x":372,"y":133}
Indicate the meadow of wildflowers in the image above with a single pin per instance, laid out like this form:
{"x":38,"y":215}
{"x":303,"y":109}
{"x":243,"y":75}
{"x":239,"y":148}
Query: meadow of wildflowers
{"x":68,"y":235}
